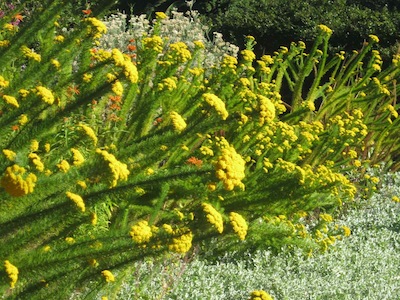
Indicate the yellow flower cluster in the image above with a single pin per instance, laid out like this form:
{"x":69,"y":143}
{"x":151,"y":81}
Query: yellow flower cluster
{"x":36,"y":161}
{"x":179,"y":52}
{"x":168,"y":84}
{"x":9,"y":154}
{"x":181,"y":244}
{"x":23,"y":119}
{"x":3,"y":83}
{"x":108,"y":276}
{"x":267,"y":109}
{"x":89,"y":132}
{"x":155,"y":43}
{"x":260,"y":295}
{"x":12,"y":272}
{"x":11,"y":100}
{"x":230,"y":166}
{"x":325,"y":29}
{"x":248,"y":55}
{"x":217,"y":103}
{"x":63,"y":166}
{"x":239,"y":225}
{"x":77,"y":200}
{"x":100,"y":55}
{"x":29,"y":53}
{"x":229,"y":62}
{"x":45,"y":94}
{"x":100,"y":27}
{"x":15,"y":184}
{"x":121,"y":60}
{"x":4,"y":43}
{"x":177,"y":121}
{"x":213,"y":217}
{"x":119,"y":170}
{"x":117,"y":88}
{"x":141,"y":232}
{"x":78,"y":158}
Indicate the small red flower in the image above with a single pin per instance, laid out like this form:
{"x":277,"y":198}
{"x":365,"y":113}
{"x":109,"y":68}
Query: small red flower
{"x":87,"y":11}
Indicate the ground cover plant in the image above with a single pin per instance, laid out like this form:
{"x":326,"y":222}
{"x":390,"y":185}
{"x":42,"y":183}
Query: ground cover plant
{"x":362,"y":266}
{"x":113,"y":152}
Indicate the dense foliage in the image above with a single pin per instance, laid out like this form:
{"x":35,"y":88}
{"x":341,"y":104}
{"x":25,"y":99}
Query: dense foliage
{"x":276,"y":23}
{"x":158,"y":142}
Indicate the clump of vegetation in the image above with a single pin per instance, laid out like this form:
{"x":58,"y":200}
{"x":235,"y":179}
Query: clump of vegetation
{"x":113,"y":154}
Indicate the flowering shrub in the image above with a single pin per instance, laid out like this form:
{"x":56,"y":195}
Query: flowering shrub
{"x":113,"y":154}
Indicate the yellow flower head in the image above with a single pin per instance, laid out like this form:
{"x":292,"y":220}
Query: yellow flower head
{"x":12,"y":272}
{"x":3,"y":83}
{"x":213,"y":217}
{"x":16,"y":183}
{"x":11,"y":100}
{"x":141,"y":232}
{"x":64,"y":166}
{"x":45,"y":94}
{"x":78,"y":157}
{"x":29,"y":53}
{"x":10,"y":155}
{"x":118,"y":170}
{"x":23,"y":119}
{"x":108,"y":276}
{"x":325,"y":29}
{"x":181,"y":244}
{"x":77,"y":200}
{"x":239,"y":225}
{"x":177,"y":121}
{"x":248,"y":55}
{"x":117,"y":88}
{"x":155,"y":43}
{"x":89,"y":132}
{"x":217,"y":104}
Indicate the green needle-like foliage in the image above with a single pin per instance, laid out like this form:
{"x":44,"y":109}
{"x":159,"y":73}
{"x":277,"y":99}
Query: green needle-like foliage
{"x":112,"y":155}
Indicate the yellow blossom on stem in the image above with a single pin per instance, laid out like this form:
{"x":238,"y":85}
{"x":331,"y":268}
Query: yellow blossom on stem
{"x":36,"y":161}
{"x":59,"y":38}
{"x":141,"y":232}
{"x":180,"y":52}
{"x":119,"y":171}
{"x":16,"y":183}
{"x":11,"y":100}
{"x":23,"y":119}
{"x":29,"y":53}
{"x":213,"y":217}
{"x":45,"y":94}
{"x":4,"y":43}
{"x":325,"y":29}
{"x":10,"y":155}
{"x":155,"y":43}
{"x":34,"y":146}
{"x":12,"y":272}
{"x":117,"y":88}
{"x":77,"y":200}
{"x":248,"y":55}
{"x":99,"y":27}
{"x":63,"y":166}
{"x":177,"y":121}
{"x":239,"y":225}
{"x":217,"y":103}
{"x":3,"y":83}
{"x":108,"y":276}
{"x":87,"y":77}
{"x":230,"y":167}
{"x":89,"y":132}
{"x":181,"y":244}
{"x":78,"y":157}
{"x":161,"y":15}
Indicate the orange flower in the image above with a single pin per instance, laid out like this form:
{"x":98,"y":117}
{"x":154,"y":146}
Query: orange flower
{"x":131,"y":47}
{"x":19,"y":17}
{"x":195,"y":161}
{"x":87,"y":11}
{"x":15,"y":127}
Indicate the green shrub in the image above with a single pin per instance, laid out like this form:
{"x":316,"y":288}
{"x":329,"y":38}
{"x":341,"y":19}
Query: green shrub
{"x":112,"y":155}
